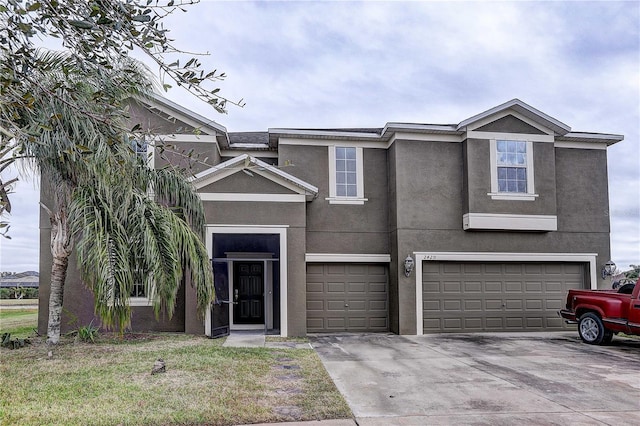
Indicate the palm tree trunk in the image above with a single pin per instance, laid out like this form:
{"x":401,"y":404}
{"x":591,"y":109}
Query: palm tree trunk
{"x":61,"y":246}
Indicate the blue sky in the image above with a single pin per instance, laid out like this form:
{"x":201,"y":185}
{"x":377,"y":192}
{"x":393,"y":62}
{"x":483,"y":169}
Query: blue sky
{"x":363,"y":64}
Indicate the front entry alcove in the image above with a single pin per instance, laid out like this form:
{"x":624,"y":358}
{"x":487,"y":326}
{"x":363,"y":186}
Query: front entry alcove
{"x":246,"y":270}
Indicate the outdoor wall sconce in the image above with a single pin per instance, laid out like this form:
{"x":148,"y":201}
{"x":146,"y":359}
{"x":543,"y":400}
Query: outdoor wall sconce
{"x":408,"y":266}
{"x":608,"y":269}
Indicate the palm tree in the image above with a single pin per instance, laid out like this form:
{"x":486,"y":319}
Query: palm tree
{"x":101,"y":193}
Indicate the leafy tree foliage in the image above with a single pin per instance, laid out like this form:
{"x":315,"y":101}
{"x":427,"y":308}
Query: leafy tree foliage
{"x":99,"y":34}
{"x":99,"y":194}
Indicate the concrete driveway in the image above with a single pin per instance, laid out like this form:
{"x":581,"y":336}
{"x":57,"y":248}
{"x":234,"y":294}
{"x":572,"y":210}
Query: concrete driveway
{"x":484,"y":379}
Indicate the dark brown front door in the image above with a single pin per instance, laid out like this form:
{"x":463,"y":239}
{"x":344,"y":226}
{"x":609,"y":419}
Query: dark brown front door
{"x":248,"y":293}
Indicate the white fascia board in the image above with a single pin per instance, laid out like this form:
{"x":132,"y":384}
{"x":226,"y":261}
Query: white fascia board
{"x":417,"y":126}
{"x":377,"y":143}
{"x":187,"y":137}
{"x":611,"y":137}
{"x":509,"y":222}
{"x":580,"y":145}
{"x":249,"y":145}
{"x":519,"y":106}
{"x":425,"y":137}
{"x":324,"y":133}
{"x":475,"y":134}
{"x":253,"y":197}
{"x":347,"y":257}
{"x":253,"y":153}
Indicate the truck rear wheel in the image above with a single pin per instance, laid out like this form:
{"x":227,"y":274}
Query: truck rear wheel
{"x":591,"y":329}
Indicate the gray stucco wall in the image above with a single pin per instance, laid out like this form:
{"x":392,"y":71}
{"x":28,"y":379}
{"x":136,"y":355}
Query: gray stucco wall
{"x":254,"y":213}
{"x":334,"y":228}
{"x":193,"y":157}
{"x":583,"y":195}
{"x":429,"y":208}
{"x":156,"y":122}
{"x":297,"y":282}
{"x":394,"y":306}
{"x":428,"y":185}
{"x":510,"y":124}
{"x":478,"y":181}
{"x":242,"y":183}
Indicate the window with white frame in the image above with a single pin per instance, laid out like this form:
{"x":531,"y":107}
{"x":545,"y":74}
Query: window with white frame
{"x":346,"y":176}
{"x":138,"y":295}
{"x":512,"y":166}
{"x":512,"y":170}
{"x":139,"y":146}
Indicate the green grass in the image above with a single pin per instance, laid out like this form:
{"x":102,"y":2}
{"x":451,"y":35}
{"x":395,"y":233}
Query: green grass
{"x":109,"y":382}
{"x":19,"y":322}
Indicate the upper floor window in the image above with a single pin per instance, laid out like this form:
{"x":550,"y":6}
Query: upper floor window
{"x":512,"y":166}
{"x":512,"y":170}
{"x":346,"y":175}
{"x":346,"y":172}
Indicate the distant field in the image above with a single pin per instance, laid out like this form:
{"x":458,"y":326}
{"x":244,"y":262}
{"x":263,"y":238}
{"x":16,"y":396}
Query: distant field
{"x":17,"y":302}
{"x":19,"y":322}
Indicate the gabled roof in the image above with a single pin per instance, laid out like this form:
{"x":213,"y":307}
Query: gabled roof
{"x":522,"y":108}
{"x":269,"y":140}
{"x":253,"y":165}
{"x":183,"y":113}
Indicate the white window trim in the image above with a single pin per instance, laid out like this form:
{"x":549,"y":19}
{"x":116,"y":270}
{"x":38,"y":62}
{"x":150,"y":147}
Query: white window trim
{"x":530,"y":195}
{"x":347,"y":257}
{"x":589,"y":258}
{"x":139,"y":301}
{"x":142,"y":301}
{"x":359,"y":198}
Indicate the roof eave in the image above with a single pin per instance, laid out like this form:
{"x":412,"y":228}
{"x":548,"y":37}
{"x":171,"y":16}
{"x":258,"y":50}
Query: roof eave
{"x":558,"y":127}
{"x":609,"y":139}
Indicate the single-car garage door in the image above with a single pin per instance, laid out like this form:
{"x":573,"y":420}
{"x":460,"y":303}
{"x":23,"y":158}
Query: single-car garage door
{"x":347,"y":297}
{"x":470,"y":296}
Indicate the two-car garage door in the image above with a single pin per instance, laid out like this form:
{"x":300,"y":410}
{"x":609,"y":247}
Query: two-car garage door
{"x":478,"y":296}
{"x":347,"y":297}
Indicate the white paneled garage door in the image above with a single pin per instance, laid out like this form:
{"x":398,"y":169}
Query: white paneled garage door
{"x":480,"y":296}
{"x":347,"y":297}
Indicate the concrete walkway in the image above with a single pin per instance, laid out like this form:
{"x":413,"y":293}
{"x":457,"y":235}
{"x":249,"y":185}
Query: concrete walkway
{"x":257,"y":339}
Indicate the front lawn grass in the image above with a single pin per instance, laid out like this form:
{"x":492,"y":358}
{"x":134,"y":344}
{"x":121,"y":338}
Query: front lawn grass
{"x":110,"y":382}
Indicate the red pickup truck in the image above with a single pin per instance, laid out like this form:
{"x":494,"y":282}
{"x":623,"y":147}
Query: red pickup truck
{"x":602,"y":313}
